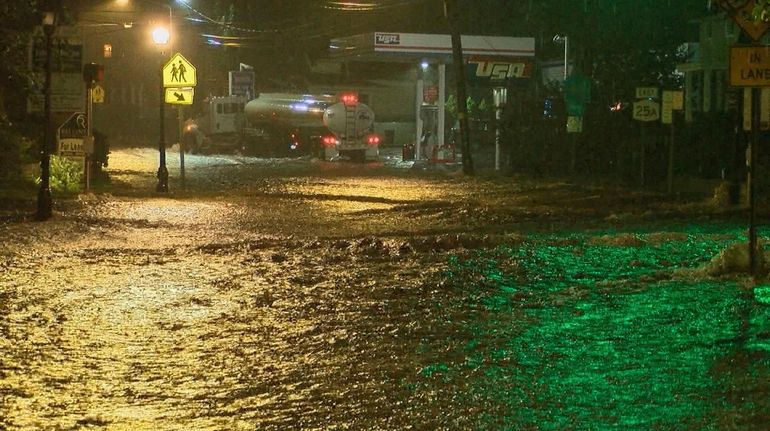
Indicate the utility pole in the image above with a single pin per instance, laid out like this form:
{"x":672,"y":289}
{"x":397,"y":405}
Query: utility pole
{"x":452,"y":14}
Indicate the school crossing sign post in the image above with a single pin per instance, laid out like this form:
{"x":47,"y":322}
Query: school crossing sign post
{"x":179,"y":79}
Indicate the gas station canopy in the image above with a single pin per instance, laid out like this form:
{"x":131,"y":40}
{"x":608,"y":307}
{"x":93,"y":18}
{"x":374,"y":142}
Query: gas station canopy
{"x":494,"y":58}
{"x":406,"y":47}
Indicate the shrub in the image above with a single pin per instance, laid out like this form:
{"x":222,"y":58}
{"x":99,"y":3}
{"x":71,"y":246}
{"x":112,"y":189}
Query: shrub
{"x":65,"y":175}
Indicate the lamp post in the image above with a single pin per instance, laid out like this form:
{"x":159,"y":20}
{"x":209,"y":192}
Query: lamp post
{"x":44,"y":201}
{"x":161,"y":37}
{"x":562,"y":38}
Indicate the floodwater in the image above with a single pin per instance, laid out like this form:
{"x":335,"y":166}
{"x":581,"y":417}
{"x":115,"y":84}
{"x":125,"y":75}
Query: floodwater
{"x":297,"y":294}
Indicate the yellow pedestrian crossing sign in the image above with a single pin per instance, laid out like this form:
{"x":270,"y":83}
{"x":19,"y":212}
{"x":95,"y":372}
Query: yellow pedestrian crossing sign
{"x":179,"y":72}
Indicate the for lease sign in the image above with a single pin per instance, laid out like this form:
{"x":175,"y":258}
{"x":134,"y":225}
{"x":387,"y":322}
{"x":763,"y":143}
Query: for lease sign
{"x":750,"y":66}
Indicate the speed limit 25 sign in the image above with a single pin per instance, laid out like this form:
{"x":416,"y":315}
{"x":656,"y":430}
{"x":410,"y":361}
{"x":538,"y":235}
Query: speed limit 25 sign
{"x":646,"y":110}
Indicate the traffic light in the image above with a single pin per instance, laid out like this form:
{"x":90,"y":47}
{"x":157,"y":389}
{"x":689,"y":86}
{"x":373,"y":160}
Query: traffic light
{"x":93,"y":73}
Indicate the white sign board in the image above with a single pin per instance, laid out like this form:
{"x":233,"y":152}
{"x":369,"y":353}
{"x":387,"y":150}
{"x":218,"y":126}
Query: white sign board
{"x":646,"y":92}
{"x":67,"y":93}
{"x":70,"y":136}
{"x":242,"y":83}
{"x":646,"y":110}
{"x":67,"y":88}
{"x":71,"y":148}
{"x":442,"y":44}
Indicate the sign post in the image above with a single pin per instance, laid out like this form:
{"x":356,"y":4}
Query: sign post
{"x":645,"y":110}
{"x":672,"y":101}
{"x":577,"y":92}
{"x":179,"y":81}
{"x":241,"y":83}
{"x":750,"y":67}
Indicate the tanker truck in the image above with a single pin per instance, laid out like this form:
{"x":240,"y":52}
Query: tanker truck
{"x":330,"y":127}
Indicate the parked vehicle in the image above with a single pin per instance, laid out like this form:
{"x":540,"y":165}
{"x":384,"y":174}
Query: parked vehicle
{"x":323,"y":125}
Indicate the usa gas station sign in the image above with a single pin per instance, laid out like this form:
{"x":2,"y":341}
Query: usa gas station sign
{"x":498,"y":70}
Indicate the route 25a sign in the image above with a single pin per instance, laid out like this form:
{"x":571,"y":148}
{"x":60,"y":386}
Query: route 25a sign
{"x":486,"y":70}
{"x":646,"y":110}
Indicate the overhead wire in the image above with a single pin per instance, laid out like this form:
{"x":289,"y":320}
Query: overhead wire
{"x":290,"y":25}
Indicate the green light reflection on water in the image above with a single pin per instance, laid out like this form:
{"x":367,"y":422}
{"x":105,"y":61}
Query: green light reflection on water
{"x":579,"y":332}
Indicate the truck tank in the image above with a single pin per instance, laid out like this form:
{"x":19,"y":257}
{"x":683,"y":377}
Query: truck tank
{"x":281,"y":124}
{"x":303,"y":123}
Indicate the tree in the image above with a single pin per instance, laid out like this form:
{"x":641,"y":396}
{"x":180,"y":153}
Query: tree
{"x":17,"y":19}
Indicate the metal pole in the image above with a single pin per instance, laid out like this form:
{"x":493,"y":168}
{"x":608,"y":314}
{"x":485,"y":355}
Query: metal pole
{"x":89,"y":133}
{"x":162,"y":170}
{"x":441,"y":103}
{"x":670,"y":182}
{"x":566,"y":51}
{"x":642,"y":153}
{"x":753,"y":147}
{"x":170,"y":30}
{"x":419,"y":128}
{"x":452,"y":15}
{"x":44,"y":201}
{"x":498,"y":117}
{"x":181,"y":144}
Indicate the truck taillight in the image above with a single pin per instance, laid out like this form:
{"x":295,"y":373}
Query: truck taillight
{"x":349,"y":98}
{"x":329,"y":141}
{"x":373,"y":140}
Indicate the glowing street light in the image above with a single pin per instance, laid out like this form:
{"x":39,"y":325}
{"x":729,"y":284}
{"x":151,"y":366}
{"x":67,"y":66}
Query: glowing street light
{"x":160,"y":36}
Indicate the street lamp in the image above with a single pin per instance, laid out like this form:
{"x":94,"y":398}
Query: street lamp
{"x":44,"y":201}
{"x":562,"y":38}
{"x":161,"y":36}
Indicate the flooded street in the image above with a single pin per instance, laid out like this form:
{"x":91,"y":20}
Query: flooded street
{"x":298,"y":294}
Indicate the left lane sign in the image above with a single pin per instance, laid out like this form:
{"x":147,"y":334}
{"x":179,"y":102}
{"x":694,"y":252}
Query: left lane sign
{"x":750,"y":66}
